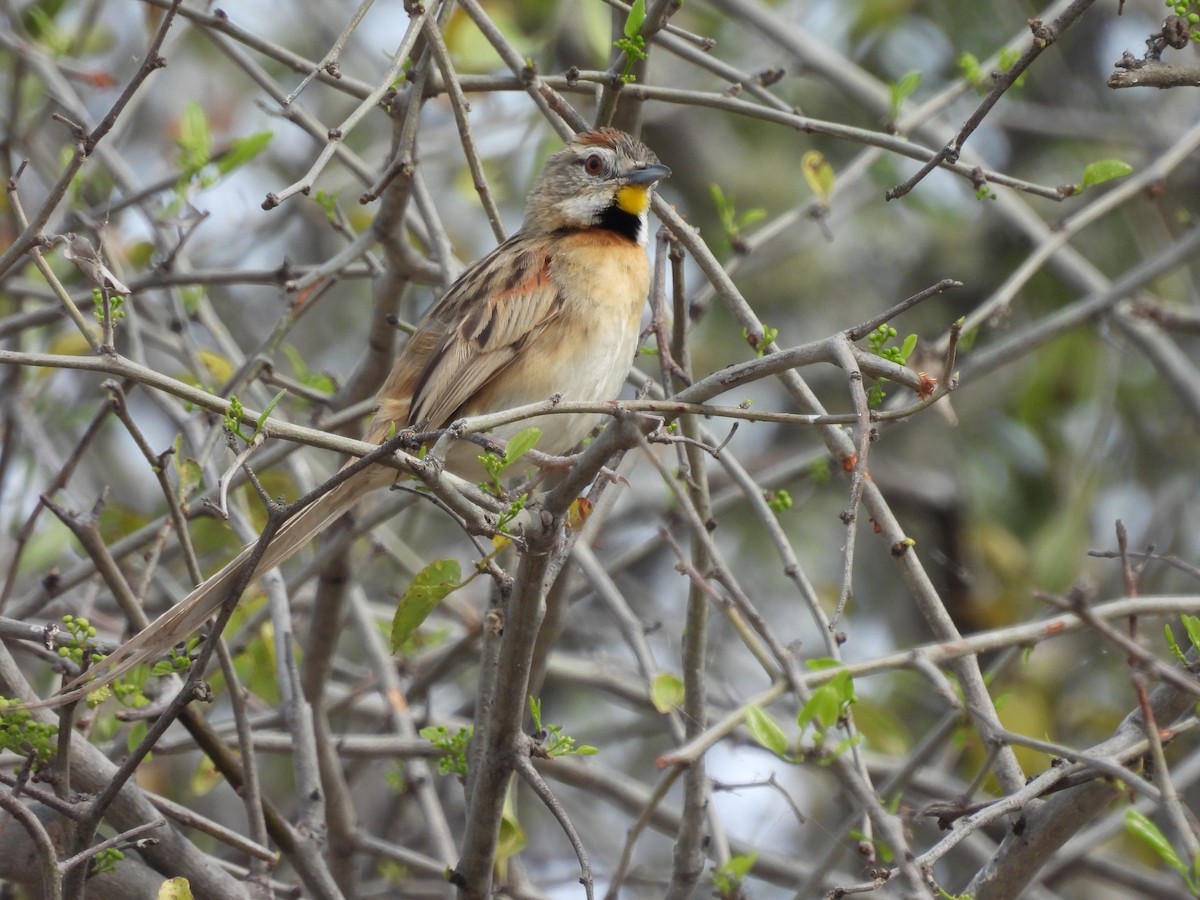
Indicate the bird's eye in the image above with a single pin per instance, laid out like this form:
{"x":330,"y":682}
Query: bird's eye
{"x":593,"y":164}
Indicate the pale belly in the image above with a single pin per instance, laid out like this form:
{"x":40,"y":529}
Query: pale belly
{"x":592,"y":369}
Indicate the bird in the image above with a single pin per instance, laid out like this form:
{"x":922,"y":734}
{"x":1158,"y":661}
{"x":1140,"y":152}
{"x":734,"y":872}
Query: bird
{"x":553,"y":310}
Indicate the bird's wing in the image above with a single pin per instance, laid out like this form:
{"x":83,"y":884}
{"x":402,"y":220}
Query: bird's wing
{"x":489,"y":319}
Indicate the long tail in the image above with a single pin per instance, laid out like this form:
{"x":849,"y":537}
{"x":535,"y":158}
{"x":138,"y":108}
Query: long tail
{"x":186,"y":617}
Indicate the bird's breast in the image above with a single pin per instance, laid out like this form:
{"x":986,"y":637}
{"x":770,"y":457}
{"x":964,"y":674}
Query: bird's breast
{"x":585,"y":352}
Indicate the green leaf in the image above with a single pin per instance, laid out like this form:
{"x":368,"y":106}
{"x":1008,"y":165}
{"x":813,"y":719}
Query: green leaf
{"x":637,"y":16}
{"x":511,"y":838}
{"x":818,"y":174}
{"x":195,"y":139}
{"x":299,"y":366}
{"x":906,"y":85}
{"x":750,"y":216}
{"x":175,"y":889}
{"x":42,"y":28}
{"x":666,"y":693}
{"x":830,"y":701}
{"x":843,"y":685}
{"x":766,"y":731}
{"x":903,"y":89}
{"x":1006,"y":59}
{"x":821,"y":663}
{"x":520,"y":444}
{"x":822,"y":708}
{"x":134,"y":736}
{"x":307,"y":377}
{"x":191,"y":295}
{"x":327,"y":202}
{"x":535,"y":712}
{"x":1191,"y":624}
{"x":431,"y":585}
{"x":190,"y":473}
{"x":732,"y":223}
{"x":1174,"y":647}
{"x":453,"y":747}
{"x":1148,"y":833}
{"x":266,"y":412}
{"x":909,"y":345}
{"x":846,"y":743}
{"x":724,"y":207}
{"x":968,"y":64}
{"x":1104,"y":170}
{"x":728,"y":878}
{"x":218,"y":366}
{"x":242,"y":150}
{"x":495,"y":466}
{"x":740,"y":866}
{"x":193,"y":125}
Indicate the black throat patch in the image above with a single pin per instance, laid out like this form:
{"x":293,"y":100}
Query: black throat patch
{"x":616,"y":219}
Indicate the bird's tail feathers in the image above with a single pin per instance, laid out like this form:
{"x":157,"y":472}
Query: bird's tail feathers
{"x":186,"y":616}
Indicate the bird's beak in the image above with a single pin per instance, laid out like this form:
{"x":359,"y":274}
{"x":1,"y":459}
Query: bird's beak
{"x":647,"y":175}
{"x":633,"y":196}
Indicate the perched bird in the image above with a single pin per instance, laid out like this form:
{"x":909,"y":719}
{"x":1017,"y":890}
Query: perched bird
{"x":554,"y":309}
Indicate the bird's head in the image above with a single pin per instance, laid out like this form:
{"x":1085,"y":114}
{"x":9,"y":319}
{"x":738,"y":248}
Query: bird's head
{"x":601,"y":179}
